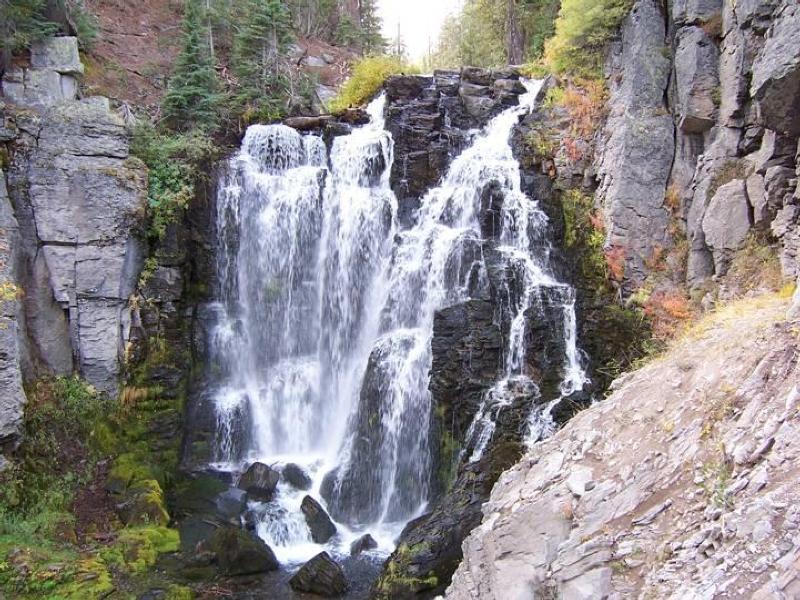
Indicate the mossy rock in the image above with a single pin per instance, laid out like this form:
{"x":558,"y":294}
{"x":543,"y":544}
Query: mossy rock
{"x":136,"y":549}
{"x":239,"y":553}
{"x":128,"y":469}
{"x":144,"y":504}
{"x":197,"y":496}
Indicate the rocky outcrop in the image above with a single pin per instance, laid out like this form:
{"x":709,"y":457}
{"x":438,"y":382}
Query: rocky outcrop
{"x":637,"y":143}
{"x":13,"y":397}
{"x":429,"y":118}
{"x":51,"y":77}
{"x":79,"y":198}
{"x":691,"y":494}
{"x":725,"y":117}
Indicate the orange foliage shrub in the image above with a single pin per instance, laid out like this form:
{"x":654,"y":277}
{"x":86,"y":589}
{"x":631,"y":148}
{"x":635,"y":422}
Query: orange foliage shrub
{"x":667,"y":312}
{"x":615,"y":261}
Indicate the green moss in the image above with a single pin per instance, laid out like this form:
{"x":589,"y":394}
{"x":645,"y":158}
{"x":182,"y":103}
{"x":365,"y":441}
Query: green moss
{"x":449,"y":449}
{"x":49,"y":571}
{"x":395,"y":582}
{"x":145,"y":504}
{"x":129,"y":468}
{"x":136,"y":549}
{"x":179,"y":592}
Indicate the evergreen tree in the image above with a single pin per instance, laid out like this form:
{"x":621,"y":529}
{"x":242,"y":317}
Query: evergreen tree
{"x":21,"y":23}
{"x":258,"y":47}
{"x":372,"y":41}
{"x":193,"y":97}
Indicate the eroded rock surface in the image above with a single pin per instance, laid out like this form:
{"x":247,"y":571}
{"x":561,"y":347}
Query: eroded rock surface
{"x":79,"y":198}
{"x":692,"y":494}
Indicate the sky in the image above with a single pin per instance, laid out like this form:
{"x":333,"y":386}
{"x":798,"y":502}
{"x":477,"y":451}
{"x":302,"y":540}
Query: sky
{"x":420,"y":21}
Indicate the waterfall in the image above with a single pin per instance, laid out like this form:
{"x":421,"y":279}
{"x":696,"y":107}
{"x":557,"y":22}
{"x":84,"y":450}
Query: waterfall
{"x":327,"y":312}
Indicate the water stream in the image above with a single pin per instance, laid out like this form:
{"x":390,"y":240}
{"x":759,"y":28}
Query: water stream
{"x":327,"y":317}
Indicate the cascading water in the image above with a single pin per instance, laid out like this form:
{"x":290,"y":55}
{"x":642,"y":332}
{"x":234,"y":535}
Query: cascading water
{"x":324,"y":339}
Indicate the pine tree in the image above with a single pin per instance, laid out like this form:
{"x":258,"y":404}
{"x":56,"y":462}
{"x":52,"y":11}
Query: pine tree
{"x":193,"y":98}
{"x":264,"y":33}
{"x":372,"y":41}
{"x":21,"y":23}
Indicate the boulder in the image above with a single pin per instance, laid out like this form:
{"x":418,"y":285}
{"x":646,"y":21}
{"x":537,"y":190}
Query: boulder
{"x":295,"y":476}
{"x":365,"y":542}
{"x":240,"y":553}
{"x":322,"y":576}
{"x":320,"y":524}
{"x":230,"y":505}
{"x":58,"y":54}
{"x":726,"y":223}
{"x":50,"y":80}
{"x":260,"y":481}
{"x":195,"y":530}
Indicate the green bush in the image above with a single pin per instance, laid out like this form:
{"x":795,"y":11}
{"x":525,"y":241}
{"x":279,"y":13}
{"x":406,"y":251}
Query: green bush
{"x":23,"y":22}
{"x":367,"y":78}
{"x":176,"y":163}
{"x":583,"y":29}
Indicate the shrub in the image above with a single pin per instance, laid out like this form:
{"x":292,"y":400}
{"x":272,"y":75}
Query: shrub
{"x":367,"y":78}
{"x":583,"y":29}
{"x":175,"y":162}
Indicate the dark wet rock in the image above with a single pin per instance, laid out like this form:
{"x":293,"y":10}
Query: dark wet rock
{"x":365,"y":542}
{"x":198,"y":495}
{"x":320,"y":524}
{"x":195,"y":530}
{"x":308,"y":123}
{"x":296,"y":477}
{"x":429,"y":118}
{"x":231,"y":504}
{"x":322,"y":576}
{"x":241,"y":553}
{"x":260,"y":481}
{"x":328,"y":485}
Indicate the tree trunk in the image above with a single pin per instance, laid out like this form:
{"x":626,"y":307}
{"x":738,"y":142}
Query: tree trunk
{"x":513,"y":35}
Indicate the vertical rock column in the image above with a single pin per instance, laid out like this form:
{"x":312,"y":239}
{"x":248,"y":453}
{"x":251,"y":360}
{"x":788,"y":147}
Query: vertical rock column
{"x":12,"y":396}
{"x":79,"y":199}
{"x":637,"y":143}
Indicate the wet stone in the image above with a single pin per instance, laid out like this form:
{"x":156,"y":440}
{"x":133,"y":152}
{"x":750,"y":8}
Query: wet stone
{"x":321,"y":575}
{"x":320,"y":524}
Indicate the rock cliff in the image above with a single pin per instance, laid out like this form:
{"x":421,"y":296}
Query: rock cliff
{"x":691,"y":494}
{"x":78,"y":199}
{"x":701,"y":109}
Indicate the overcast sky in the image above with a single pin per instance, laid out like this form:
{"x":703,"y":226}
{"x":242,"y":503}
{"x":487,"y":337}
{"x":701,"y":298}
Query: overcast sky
{"x":420,"y":21}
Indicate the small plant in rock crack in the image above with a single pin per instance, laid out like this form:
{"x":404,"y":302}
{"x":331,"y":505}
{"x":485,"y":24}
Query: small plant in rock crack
{"x":717,"y":478}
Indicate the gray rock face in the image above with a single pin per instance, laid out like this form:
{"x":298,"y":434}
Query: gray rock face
{"x":776,"y":72}
{"x":50,"y":80}
{"x":79,"y":199}
{"x":692,"y":12}
{"x":637,"y":147}
{"x":676,"y":498}
{"x":696,"y":60}
{"x":12,"y":397}
{"x":726,"y":223}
